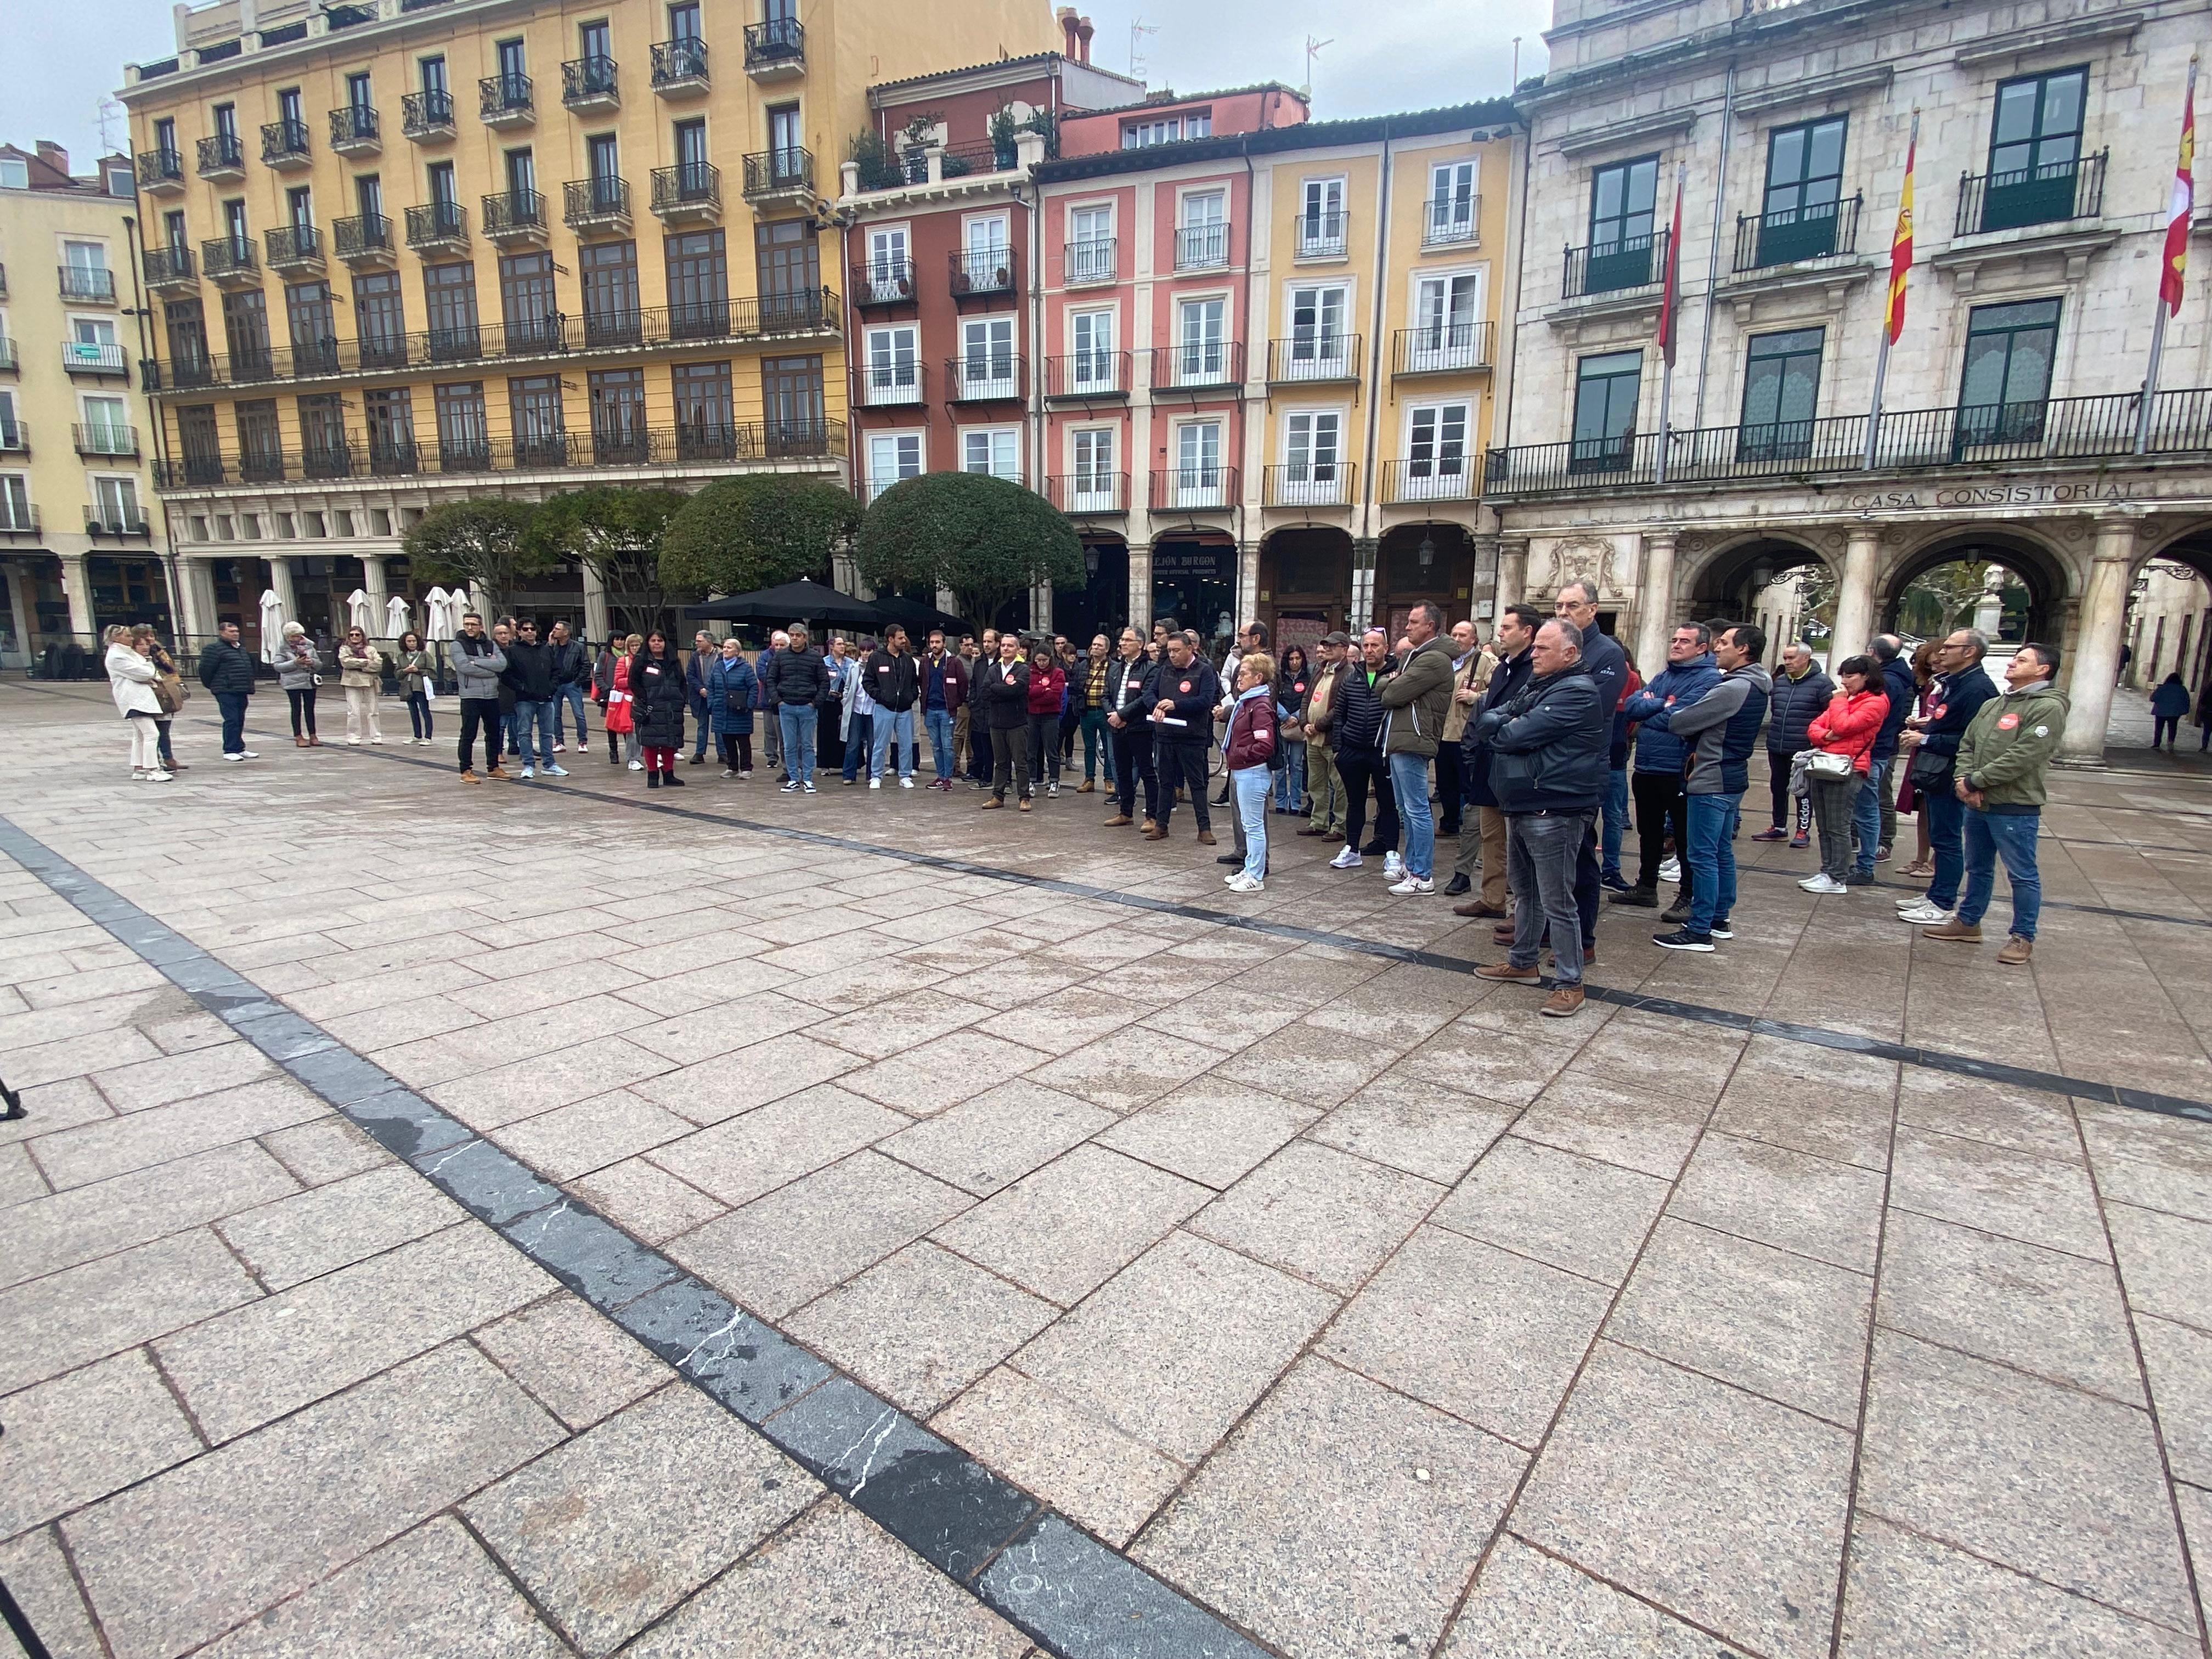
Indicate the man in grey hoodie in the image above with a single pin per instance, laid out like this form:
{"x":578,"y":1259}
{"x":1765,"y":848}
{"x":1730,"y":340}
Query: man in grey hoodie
{"x":478,"y":661}
{"x":1716,"y":729}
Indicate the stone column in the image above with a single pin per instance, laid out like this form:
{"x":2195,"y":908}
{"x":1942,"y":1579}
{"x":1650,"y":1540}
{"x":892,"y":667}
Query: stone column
{"x":1512,"y":570}
{"x":1247,"y":584}
{"x":1484,"y":584}
{"x":1855,"y":596}
{"x":280,"y":583}
{"x":1141,"y":588}
{"x":376,"y":582}
{"x":596,"y":625}
{"x":2095,"y":662}
{"x":1363,"y":587}
{"x":77,"y":584}
{"x":198,"y":599}
{"x":1655,"y":599}
{"x":20,"y":613}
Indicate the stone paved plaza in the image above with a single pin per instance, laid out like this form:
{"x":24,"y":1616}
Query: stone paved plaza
{"x":1018,"y":1245}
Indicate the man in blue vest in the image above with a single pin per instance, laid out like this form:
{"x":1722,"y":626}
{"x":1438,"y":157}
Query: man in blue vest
{"x":1718,"y":730}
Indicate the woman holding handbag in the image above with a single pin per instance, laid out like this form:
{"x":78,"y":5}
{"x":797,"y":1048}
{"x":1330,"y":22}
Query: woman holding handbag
{"x":1843,"y":740}
{"x":730,"y":692}
{"x":360,"y":670}
{"x":299,"y":673}
{"x":132,"y":678}
{"x":620,"y":710}
{"x":420,"y":676}
{"x":169,"y":690}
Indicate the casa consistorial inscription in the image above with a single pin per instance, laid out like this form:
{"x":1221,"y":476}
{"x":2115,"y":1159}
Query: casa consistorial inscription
{"x":2089,"y":492}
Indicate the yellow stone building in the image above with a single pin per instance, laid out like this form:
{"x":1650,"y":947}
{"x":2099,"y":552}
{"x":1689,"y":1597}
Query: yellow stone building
{"x":405,"y":251}
{"x":77,"y":549}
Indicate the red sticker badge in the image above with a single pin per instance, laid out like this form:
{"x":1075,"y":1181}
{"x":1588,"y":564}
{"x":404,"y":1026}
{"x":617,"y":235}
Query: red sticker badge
{"x":2007,"y":722}
{"x":1936,"y":710}
{"x":1185,"y":685}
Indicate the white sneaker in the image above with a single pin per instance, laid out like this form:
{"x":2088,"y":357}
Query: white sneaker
{"x":1670,"y":870}
{"x":1241,"y":883}
{"x":527,"y":773}
{"x":1394,"y":867}
{"x":1349,"y":858}
{"x":1823,"y":885}
{"x":637,"y":766}
{"x":1924,"y":914}
{"x":137,"y":775}
{"x":557,"y":771}
{"x":250,"y":753}
{"x":1412,"y":886}
{"x":805,"y":788}
{"x":1052,"y":791}
{"x":355,"y":742}
{"x":233,"y":757}
{"x":559,"y":748}
{"x":378,"y":742}
{"x":159,"y":776}
{"x":1913,"y":903}
{"x":875,"y":783}
{"x":906,"y":783}
{"x":727,"y":773}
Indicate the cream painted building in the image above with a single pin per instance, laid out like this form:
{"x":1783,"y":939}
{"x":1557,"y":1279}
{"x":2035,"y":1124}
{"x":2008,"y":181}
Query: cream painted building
{"x":78,"y":547}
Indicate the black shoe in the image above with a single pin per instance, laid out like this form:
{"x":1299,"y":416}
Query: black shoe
{"x":1230,"y":858}
{"x":1858,"y":879}
{"x":1678,"y":911}
{"x":673,"y":781}
{"x":1456,"y":885}
{"x":652,"y":779}
{"x":1683,"y":940}
{"x":1644,"y":898}
{"x":1374,"y":850}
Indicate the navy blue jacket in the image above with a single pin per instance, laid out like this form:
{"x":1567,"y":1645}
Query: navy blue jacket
{"x":226,"y":668}
{"x":1952,"y":702}
{"x":1898,"y":681}
{"x":1195,"y":708}
{"x":1606,"y":664}
{"x":1548,"y":745}
{"x":1685,"y":681}
{"x":1506,"y":681}
{"x":1796,"y":705}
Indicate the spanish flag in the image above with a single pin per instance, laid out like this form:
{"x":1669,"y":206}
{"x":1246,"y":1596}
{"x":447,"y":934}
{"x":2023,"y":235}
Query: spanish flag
{"x":2181,"y":203}
{"x":1900,"y":245}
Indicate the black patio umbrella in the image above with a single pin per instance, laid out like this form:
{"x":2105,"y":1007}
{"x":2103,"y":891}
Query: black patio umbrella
{"x":916,"y":618}
{"x":800,"y":601}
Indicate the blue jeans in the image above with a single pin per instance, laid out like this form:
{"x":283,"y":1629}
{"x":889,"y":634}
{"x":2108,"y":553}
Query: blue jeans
{"x":1866,"y":814}
{"x":1409,"y":783}
{"x":797,"y":721}
{"x":233,"y":704}
{"x":2012,"y":835}
{"x":939,"y":722}
{"x":566,"y":697}
{"x":1616,"y":824}
{"x":539,"y":714}
{"x":1251,"y":784}
{"x":1711,"y":859}
{"x":895,"y":733}
{"x":1541,"y":851}
{"x":857,"y":743}
{"x":1290,"y":781}
{"x":1946,"y":815}
{"x":703,"y":720}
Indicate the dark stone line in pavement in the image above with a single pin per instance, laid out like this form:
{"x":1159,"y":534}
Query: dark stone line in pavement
{"x":1091,"y":1602}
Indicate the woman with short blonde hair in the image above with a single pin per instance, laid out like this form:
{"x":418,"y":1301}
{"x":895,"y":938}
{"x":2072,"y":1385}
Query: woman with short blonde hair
{"x":299,"y":673}
{"x":130,"y":677}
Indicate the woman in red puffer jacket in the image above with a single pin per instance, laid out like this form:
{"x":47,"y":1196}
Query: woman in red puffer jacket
{"x":1048,"y":700}
{"x":1852,"y":721}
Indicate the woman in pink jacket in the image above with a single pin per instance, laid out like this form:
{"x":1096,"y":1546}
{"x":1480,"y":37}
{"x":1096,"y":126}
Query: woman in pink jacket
{"x":1849,"y":728}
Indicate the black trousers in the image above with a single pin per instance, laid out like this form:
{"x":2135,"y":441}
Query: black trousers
{"x":1660,"y":806}
{"x":737,"y":751}
{"x":1451,"y":786}
{"x":1044,"y":748}
{"x":1795,"y":816}
{"x":1358,"y":768}
{"x":1009,"y":748}
{"x":1131,"y":749}
{"x":479,"y":713}
{"x":1181,"y":765}
{"x":983,"y":744}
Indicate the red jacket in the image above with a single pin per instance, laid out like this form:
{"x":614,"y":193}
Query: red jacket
{"x":1850,"y":726}
{"x":1251,"y":733}
{"x":1047,"y":687}
{"x":621,"y":714}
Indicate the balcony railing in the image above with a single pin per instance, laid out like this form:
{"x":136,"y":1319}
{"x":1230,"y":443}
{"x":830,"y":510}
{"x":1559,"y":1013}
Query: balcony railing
{"x":88,"y":283}
{"x":1076,"y":494}
{"x":890,"y":385}
{"x":1815,"y":231}
{"x":2046,"y":195}
{"x":294,"y":247}
{"x":777,"y":46}
{"x":690,"y":190}
{"x":1435,"y":479}
{"x":1087,"y":374}
{"x":222,"y":156}
{"x":812,"y":311}
{"x":686,"y":445}
{"x":1321,"y":235}
{"x":1205,"y":363}
{"x":427,"y":114}
{"x":983,"y":270}
{"x":8,"y":364}
{"x":14,"y":437}
{"x":778,"y":171}
{"x":1193,"y":489}
{"x":512,"y":215}
{"x":1313,"y":356}
{"x":884,"y":281}
{"x":86,"y":357}
{"x":437,"y":225}
{"x":366,"y":237}
{"x":354,"y":130}
{"x":100,"y":438}
{"x":18,"y":521}
{"x":679,"y":65}
{"x":983,"y":377}
{"x":1449,"y":220}
{"x":1309,"y":484}
{"x":1979,"y":435}
{"x":229,"y":256}
{"x":114,"y":520}
{"x":283,"y":143}
{"x":160,"y":170}
{"x":1615,"y":267}
{"x":595,"y":204}
{"x":590,"y":83}
{"x":506,"y":99}
{"x":1442,"y":348}
{"x":1201,"y":247}
{"x":1091,"y":260}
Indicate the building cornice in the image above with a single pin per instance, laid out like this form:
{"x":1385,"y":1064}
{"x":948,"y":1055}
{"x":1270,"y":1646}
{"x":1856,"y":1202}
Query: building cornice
{"x":2081,"y":32}
{"x":1662,"y":126}
{"x":1818,"y":89}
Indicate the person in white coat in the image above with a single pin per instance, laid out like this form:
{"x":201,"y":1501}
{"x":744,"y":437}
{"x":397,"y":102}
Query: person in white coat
{"x":130,"y":677}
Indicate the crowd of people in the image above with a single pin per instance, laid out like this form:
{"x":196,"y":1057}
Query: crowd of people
{"x":1535,"y":751}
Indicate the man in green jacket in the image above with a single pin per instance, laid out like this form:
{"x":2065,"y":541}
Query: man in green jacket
{"x":2002,"y":762}
{"x":1416,"y":700}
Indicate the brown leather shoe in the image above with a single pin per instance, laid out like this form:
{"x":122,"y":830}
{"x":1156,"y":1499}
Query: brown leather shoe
{"x":1477,"y":908}
{"x":499,"y":772}
{"x":2016,"y":951}
{"x":1311,"y":831}
{"x":1564,"y":1001}
{"x":1089,"y":787}
{"x":1153,"y":832}
{"x":1589,"y":955}
{"x":1023,"y":805}
{"x":994,"y":804}
{"x":1147,"y":826}
{"x":1118,"y":820}
{"x":1506,"y":970}
{"x":1206,"y":838}
{"x":470,"y":777}
{"x":1503,"y":933}
{"x":1955,"y":932}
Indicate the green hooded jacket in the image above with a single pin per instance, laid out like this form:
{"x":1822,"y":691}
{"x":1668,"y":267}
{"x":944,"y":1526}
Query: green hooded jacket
{"x":2007,"y":747}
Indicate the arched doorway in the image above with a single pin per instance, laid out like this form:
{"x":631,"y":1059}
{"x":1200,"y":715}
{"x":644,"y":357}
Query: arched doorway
{"x":1416,"y":561}
{"x":1785,"y":587}
{"x":1101,"y":603}
{"x":2005,"y":583}
{"x":2170,"y":615}
{"x":1194,"y":580}
{"x":1305,"y":584}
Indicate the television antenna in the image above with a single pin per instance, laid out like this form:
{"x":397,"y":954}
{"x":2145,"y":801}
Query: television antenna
{"x":1313,"y":48}
{"x":1139,"y":29}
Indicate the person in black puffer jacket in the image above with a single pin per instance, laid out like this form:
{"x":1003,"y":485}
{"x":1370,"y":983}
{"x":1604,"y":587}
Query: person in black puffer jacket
{"x":792,"y":685}
{"x":227,"y":671}
{"x":1802,"y":695}
{"x":656,"y":682}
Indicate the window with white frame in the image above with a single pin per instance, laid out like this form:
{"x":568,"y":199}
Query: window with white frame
{"x":1200,"y":348}
{"x":1451,"y":205}
{"x":1202,"y":230}
{"x":986,"y":357}
{"x":890,"y":266}
{"x":892,"y":373}
{"x":1198,"y":480}
{"x":1094,"y":486}
{"x":1167,"y":130}
{"x":1319,"y":349}
{"x":1090,"y":245}
{"x":1448,"y":330}
{"x":85,"y":275}
{"x":116,"y":501}
{"x":1312,"y":457}
{"x":14,"y":502}
{"x":1435,"y":452}
{"x":1321,"y":224}
{"x":996,"y":451}
{"x":107,"y":426}
{"x":11,"y":432}
{"x":986,"y":261}
{"x":1094,"y":367}
{"x":892,"y":456}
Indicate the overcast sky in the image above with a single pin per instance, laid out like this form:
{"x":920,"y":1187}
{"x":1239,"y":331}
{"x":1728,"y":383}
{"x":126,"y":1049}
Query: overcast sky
{"x":64,"y":57}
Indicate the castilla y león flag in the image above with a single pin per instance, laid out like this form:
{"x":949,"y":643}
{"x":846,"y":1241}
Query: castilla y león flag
{"x":2184,"y":199}
{"x":1666,"y":330}
{"x":1900,"y":244}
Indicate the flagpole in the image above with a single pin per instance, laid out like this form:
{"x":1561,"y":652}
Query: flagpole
{"x":1891,"y":316}
{"x":1667,"y":297}
{"x":2164,"y":307}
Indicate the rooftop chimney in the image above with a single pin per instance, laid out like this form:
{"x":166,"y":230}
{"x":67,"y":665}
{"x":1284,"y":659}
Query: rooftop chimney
{"x":1071,"y":46}
{"x":54,"y":155}
{"x":1082,"y":32}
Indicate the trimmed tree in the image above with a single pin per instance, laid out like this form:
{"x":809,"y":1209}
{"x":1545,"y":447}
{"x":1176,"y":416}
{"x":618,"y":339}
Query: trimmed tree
{"x":739,"y":534}
{"x":484,"y":543}
{"x":982,"y":538}
{"x":615,"y":534}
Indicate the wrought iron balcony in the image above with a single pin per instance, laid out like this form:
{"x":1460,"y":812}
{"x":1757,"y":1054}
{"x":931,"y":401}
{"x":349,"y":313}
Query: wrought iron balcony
{"x":1309,"y":484}
{"x":1321,"y":235}
{"x":1082,"y":494}
{"x":223,"y":157}
{"x":679,"y":66}
{"x":1633,"y":262}
{"x":688,"y":192}
{"x":986,"y":377}
{"x":103,"y":438}
{"x":326,"y":460}
{"x":1446,"y":477}
{"x":160,"y":172}
{"x":1198,"y":364}
{"x":284,"y":145}
{"x":355,"y":131}
{"x":1448,"y":222}
{"x":506,"y":101}
{"x":1817,"y":231}
{"x":981,"y":271}
{"x":589,"y":84}
{"x":1201,"y":247}
{"x":773,"y":173}
{"x":14,"y":437}
{"x":515,"y":218}
{"x":426,"y":117}
{"x":1443,"y":347}
{"x":89,"y":357}
{"x":775,"y":49}
{"x":1091,"y":260}
{"x":294,"y":250}
{"x":231,"y":260}
{"x":262,"y":467}
{"x":1087,"y":374}
{"x":365,"y":242}
{"x":8,"y":362}
{"x":438,"y":226}
{"x":884,"y":281}
{"x":1199,"y":489}
{"x":889,"y":386}
{"x":1313,"y":357}
{"x":2051,"y":194}
{"x":596,"y":204}
{"x":87,"y":283}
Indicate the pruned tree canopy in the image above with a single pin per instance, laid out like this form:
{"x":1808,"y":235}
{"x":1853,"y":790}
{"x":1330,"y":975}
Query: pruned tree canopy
{"x":739,"y":534}
{"x":983,"y":538}
{"x":485,"y":542}
{"x":616,"y":533}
